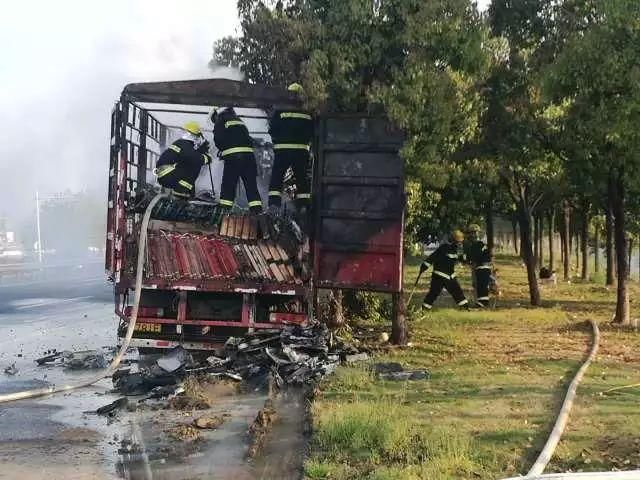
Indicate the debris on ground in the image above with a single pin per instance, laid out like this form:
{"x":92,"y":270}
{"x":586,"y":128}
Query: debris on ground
{"x":177,"y":358}
{"x":184,"y":433}
{"x":49,"y":356}
{"x":166,"y":391}
{"x":260,"y":427}
{"x":295,"y":355}
{"x":145,"y":378}
{"x":207,"y":422}
{"x":357,"y":357}
{"x":11,"y":369}
{"x":396,"y":372}
{"x":84,"y":360}
{"x":112,"y":408}
{"x":193,"y":397}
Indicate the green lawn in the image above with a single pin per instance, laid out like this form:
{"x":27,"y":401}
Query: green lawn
{"x":497,"y":380}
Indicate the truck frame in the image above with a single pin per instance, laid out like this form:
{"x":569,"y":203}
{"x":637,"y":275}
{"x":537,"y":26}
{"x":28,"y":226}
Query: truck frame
{"x":355,"y":240}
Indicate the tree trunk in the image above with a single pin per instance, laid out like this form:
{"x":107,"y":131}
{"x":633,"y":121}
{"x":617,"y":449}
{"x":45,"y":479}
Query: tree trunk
{"x":622,"y":316}
{"x":489,"y":222}
{"x":561,"y":231}
{"x":566,"y":234}
{"x":577,"y":249}
{"x":596,"y":241}
{"x":398,"y":321}
{"x":536,"y":245}
{"x":541,"y":241}
{"x":629,"y":251}
{"x":552,"y":252}
{"x":514,"y":226}
{"x":524,"y":220}
{"x":584,"y":245}
{"x":609,"y":235}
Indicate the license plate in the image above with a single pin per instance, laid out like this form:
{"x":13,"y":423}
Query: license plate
{"x":148,"y":327}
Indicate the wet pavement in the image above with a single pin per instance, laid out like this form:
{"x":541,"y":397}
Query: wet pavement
{"x":58,"y":437}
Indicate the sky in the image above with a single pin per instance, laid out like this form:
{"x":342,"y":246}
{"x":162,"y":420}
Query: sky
{"x":63,"y":64}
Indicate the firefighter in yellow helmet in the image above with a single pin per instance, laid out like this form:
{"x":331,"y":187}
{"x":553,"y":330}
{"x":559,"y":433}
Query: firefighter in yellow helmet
{"x":291,"y":133}
{"x":235,"y":148}
{"x":443,"y":260}
{"x":179,"y":165}
{"x":478,"y":255}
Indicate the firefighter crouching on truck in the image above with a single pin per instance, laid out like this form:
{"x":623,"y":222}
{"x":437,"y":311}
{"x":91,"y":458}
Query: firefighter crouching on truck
{"x":235,"y":147}
{"x":179,"y":165}
{"x":478,"y":255}
{"x":444,"y":259}
{"x":291,"y":133}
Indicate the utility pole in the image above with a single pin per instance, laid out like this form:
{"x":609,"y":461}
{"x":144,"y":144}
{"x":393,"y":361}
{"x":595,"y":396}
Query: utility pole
{"x":38,"y":227}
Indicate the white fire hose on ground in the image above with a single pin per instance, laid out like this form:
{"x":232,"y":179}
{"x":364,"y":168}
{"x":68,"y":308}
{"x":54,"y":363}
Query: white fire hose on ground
{"x":543,"y":459}
{"x":142,"y":245}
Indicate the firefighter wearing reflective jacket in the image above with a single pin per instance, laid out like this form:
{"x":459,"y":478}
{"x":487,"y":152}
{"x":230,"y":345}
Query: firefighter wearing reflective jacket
{"x":444,"y":259}
{"x":235,"y":147}
{"x":478,"y":255}
{"x":291,"y":133}
{"x":179,"y":165}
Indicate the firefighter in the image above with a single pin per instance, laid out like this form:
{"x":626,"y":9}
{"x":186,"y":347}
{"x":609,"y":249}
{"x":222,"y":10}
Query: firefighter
{"x":291,"y":133}
{"x":444,"y":259}
{"x":179,"y":165}
{"x":235,"y":147}
{"x":478,"y":255}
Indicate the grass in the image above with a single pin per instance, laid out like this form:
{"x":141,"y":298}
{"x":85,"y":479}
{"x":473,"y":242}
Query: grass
{"x":497,"y":380}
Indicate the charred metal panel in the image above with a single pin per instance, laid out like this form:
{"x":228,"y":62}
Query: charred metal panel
{"x":359,"y":185}
{"x":211,"y":92}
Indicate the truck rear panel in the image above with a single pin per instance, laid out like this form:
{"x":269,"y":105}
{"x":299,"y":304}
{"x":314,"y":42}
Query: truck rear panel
{"x":359,"y":187}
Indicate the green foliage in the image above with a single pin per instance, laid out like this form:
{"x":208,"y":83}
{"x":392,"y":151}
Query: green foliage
{"x":419,"y":61}
{"x":365,"y":305}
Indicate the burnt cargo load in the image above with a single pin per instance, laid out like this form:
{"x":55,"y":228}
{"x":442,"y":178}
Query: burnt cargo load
{"x":210,"y":275}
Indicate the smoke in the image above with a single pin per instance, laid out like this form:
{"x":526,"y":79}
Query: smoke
{"x":62,"y":66}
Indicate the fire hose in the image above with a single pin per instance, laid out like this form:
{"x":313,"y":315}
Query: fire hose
{"x":142,"y":245}
{"x":535,"y":472}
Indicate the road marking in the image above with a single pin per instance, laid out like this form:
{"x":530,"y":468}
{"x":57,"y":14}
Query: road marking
{"x":52,"y":302}
{"x":101,"y":278}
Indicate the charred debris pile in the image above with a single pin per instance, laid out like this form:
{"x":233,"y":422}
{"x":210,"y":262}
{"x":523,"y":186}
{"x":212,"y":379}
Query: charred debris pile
{"x":295,"y":355}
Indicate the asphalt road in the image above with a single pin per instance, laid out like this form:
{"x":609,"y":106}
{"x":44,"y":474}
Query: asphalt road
{"x":59,"y":436}
{"x":49,"y":438}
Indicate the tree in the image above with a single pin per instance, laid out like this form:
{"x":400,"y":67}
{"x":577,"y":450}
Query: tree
{"x":514,"y":123}
{"x":596,"y":75}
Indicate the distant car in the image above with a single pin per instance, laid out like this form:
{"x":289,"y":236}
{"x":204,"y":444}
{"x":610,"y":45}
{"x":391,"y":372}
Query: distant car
{"x":11,"y":255}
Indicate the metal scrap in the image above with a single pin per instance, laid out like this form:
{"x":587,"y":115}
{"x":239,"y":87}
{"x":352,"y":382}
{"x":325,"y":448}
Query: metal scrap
{"x":396,"y":372}
{"x":86,"y":359}
{"x":11,"y":369}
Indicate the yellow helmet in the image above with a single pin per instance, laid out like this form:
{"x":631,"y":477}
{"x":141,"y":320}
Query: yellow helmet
{"x":457,"y":236}
{"x":295,"y":87}
{"x":193,"y":127}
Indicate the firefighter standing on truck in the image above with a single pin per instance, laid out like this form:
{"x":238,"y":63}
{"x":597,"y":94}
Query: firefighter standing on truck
{"x":478,"y":255}
{"x":291,"y":133}
{"x":179,"y":165}
{"x":444,"y":259}
{"x":235,"y":147}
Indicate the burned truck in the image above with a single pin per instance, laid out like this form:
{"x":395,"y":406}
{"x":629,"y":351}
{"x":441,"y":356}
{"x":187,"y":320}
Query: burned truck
{"x":209,"y":276}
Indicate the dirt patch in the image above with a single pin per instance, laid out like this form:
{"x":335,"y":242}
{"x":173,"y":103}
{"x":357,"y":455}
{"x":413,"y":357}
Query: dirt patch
{"x":78,"y":434}
{"x":201,"y":393}
{"x":620,"y":452}
{"x":209,"y":422}
{"x":184,"y":433}
{"x":260,"y":427}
